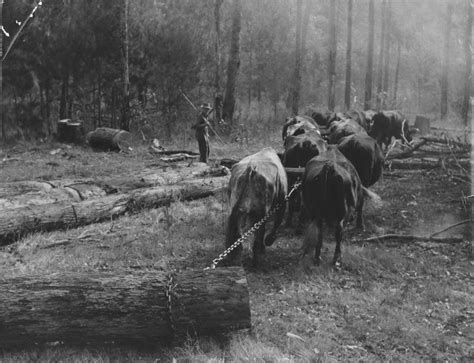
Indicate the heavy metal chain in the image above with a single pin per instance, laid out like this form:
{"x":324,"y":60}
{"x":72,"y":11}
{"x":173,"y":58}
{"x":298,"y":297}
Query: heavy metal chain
{"x":254,"y":228}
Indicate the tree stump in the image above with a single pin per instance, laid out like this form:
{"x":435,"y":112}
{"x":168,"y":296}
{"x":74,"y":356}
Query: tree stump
{"x":149,"y":307}
{"x":422,"y":123}
{"x":70,"y":132}
{"x":108,"y":139}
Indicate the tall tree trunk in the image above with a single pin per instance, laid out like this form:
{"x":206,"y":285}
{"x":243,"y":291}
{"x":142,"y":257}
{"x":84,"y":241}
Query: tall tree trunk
{"x":1,"y":74}
{"x":397,"y":74}
{"x":468,"y":56}
{"x":63,"y":102}
{"x":347,"y":91}
{"x":47,"y":91}
{"x":304,"y":30}
{"x":445,"y":70}
{"x":233,"y":64}
{"x":99,"y":94}
{"x":332,"y":56}
{"x":381,"y":54}
{"x":217,"y":75}
{"x":297,"y":73}
{"x":125,"y":118}
{"x":370,"y":59}
{"x":386,"y":66}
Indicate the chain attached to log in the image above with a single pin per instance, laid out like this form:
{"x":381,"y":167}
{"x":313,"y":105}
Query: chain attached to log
{"x":169,"y":303}
{"x":254,"y":228}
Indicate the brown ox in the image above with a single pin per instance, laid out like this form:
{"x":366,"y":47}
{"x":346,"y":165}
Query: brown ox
{"x":257,"y":184}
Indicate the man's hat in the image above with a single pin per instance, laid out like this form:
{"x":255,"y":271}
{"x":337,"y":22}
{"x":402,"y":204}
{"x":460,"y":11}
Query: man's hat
{"x":206,"y":106}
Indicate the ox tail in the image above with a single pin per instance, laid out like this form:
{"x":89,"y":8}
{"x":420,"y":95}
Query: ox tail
{"x":332,"y":199}
{"x":372,"y":198}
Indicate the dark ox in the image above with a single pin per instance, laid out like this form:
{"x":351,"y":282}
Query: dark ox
{"x":298,"y":125}
{"x":366,"y":156}
{"x":343,"y":128}
{"x":359,"y":117}
{"x":324,"y":118}
{"x":388,"y":124}
{"x":299,"y":150}
{"x":257,"y":184}
{"x":331,"y":191}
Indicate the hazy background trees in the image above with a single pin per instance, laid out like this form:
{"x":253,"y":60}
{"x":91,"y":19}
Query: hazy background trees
{"x":71,"y":61}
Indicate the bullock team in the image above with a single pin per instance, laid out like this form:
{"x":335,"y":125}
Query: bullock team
{"x":336,"y":156}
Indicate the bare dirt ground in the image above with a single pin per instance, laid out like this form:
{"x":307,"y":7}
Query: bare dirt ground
{"x":392,"y":300}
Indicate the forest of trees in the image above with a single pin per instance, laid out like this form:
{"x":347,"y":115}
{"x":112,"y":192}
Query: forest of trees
{"x":125,"y":63}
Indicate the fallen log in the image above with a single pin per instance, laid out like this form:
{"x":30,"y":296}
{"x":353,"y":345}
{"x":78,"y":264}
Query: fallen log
{"x":441,"y":140}
{"x":173,"y":152}
{"x":408,"y":152}
{"x":148,"y":308}
{"x":424,"y":163}
{"x":108,"y":139}
{"x":17,"y":222}
{"x":90,"y":188}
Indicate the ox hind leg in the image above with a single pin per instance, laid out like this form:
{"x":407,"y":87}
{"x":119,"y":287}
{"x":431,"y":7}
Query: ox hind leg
{"x":359,"y":215}
{"x":279,"y":215}
{"x":314,"y":239}
{"x":258,"y":246}
{"x":337,"y":252}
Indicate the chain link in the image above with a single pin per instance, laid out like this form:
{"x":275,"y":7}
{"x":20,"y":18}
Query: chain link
{"x":169,"y":296}
{"x":254,"y":228}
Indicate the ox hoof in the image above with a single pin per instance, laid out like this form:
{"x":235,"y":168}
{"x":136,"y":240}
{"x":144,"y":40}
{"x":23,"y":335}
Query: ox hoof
{"x":337,"y":265}
{"x":269,"y":240}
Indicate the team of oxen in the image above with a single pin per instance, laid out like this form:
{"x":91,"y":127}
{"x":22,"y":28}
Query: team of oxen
{"x":335,"y":157}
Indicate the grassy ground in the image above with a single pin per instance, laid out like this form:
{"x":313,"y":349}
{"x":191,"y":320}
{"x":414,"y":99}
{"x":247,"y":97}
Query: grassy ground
{"x":390,"y":301}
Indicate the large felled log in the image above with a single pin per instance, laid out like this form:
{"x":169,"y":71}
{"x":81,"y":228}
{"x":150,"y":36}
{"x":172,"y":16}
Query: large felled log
{"x":62,"y":215}
{"x":125,"y":308}
{"x":105,"y":138}
{"x":23,"y":193}
{"x":441,"y":140}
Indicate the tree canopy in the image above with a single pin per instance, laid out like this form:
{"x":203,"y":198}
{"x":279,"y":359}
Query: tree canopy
{"x":67,"y":62}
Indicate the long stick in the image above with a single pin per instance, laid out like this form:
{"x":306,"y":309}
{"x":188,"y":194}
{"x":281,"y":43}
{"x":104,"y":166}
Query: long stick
{"x":195,"y":108}
{"x":412,"y":238}
{"x":466,"y":221}
{"x":15,"y":37}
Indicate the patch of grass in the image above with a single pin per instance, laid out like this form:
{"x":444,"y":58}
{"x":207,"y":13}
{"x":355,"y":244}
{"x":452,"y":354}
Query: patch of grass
{"x":397,"y":302}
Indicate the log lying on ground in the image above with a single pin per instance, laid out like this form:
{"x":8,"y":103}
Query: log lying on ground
{"x":408,"y":152}
{"x":441,"y":140}
{"x":105,"y":138}
{"x":90,"y":188}
{"x":424,"y":163}
{"x":99,"y":307}
{"x":173,"y":152}
{"x":62,"y":215}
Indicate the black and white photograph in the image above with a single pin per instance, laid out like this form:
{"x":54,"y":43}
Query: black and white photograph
{"x":236,"y":181}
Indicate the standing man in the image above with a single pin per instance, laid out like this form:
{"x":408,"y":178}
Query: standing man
{"x":202,"y":132}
